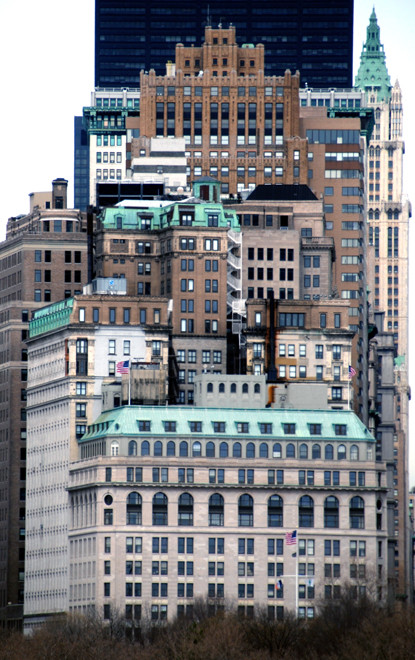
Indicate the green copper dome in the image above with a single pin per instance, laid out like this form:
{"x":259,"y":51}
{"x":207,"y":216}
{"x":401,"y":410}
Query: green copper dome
{"x":373,"y":74}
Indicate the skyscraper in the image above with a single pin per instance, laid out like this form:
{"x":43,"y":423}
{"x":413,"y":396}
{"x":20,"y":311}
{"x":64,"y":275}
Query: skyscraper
{"x":43,"y":259}
{"x":388,"y":218}
{"x":312,"y":36}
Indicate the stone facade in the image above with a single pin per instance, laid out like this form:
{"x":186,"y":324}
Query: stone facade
{"x":193,"y":503}
{"x":74,"y":348}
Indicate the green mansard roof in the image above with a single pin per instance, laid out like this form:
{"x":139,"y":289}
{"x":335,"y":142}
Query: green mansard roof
{"x":51,"y":317}
{"x":373,"y":73}
{"x":160,"y":215}
{"x":125,"y":421}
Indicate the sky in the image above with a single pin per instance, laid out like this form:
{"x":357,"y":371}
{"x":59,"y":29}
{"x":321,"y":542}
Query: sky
{"x":47,"y":74}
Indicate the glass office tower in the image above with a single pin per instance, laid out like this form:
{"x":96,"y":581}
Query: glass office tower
{"x":312,"y":36}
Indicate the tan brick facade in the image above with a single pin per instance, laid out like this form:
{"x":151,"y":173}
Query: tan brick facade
{"x":240,"y":126}
{"x":43,"y":259}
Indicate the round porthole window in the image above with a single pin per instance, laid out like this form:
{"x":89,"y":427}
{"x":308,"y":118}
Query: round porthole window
{"x":108,"y":500}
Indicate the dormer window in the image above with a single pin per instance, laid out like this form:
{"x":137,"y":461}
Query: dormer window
{"x":340,"y":429}
{"x":242,"y":427}
{"x":195,"y":427}
{"x":288,"y":428}
{"x":170,"y":427}
{"x":219,"y":427}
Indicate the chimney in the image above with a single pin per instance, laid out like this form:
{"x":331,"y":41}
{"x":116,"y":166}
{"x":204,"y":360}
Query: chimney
{"x":59,"y":194}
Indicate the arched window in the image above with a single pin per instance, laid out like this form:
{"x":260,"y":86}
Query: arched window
{"x":371,"y":214}
{"x":245,"y":511}
{"x":306,"y":512}
{"x":303,"y":451}
{"x":390,"y":214}
{"x":290,"y":451}
{"x":276,"y":450}
{"x":134,"y":509}
{"x":145,"y":448}
{"x":263,"y":450}
{"x":331,"y":511}
{"x":275,"y":512}
{"x":257,"y":388}
{"x":357,"y":513}
{"x":221,"y":388}
{"x":132,"y":448}
{"x":196,"y":449}
{"x":158,"y":448}
{"x":223,"y":450}
{"x":328,"y":452}
{"x":245,"y":388}
{"x":237,"y":450}
{"x":115,"y":448}
{"x":160,"y":504}
{"x":371,"y":152}
{"x":233,"y":388}
{"x":250,"y":450}
{"x":183,"y":448}
{"x":185,"y":510}
{"x":171,"y":448}
{"x":354,"y":453}
{"x":341,"y":452}
{"x":210,"y":449}
{"x":209,"y":387}
{"x":216,"y":510}
{"x":396,"y":214}
{"x":316,"y":451}
{"x":376,"y":214}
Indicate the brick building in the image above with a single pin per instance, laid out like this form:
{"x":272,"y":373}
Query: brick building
{"x":337,"y":145}
{"x":44,"y":258}
{"x":178,"y":250}
{"x":306,"y":341}
{"x":240,"y":126}
{"x":284,"y":246}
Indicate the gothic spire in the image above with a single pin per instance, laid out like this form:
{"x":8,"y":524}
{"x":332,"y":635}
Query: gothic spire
{"x":373,"y":73}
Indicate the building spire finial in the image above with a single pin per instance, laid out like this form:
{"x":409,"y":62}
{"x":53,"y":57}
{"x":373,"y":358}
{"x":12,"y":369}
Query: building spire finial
{"x":373,"y":75}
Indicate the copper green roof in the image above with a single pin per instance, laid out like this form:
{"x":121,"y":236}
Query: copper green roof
{"x":125,"y":421}
{"x":156,"y":217}
{"x":51,"y":317}
{"x":373,"y":73}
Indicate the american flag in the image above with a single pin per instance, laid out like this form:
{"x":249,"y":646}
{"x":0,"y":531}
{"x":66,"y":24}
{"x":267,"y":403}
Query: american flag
{"x":291,"y":538}
{"x":278,"y":586}
{"x":122,"y":367}
{"x":352,"y":372}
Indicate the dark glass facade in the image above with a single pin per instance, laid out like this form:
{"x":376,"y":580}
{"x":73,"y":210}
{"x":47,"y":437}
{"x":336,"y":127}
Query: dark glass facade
{"x":312,"y":36}
{"x":81,"y":165}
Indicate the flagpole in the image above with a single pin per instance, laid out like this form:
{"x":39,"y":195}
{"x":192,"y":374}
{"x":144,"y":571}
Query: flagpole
{"x":296,"y":576}
{"x":129,"y":383}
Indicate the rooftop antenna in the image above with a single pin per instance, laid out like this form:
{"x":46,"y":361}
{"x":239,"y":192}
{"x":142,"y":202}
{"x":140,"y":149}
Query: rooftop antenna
{"x":208,"y":15}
